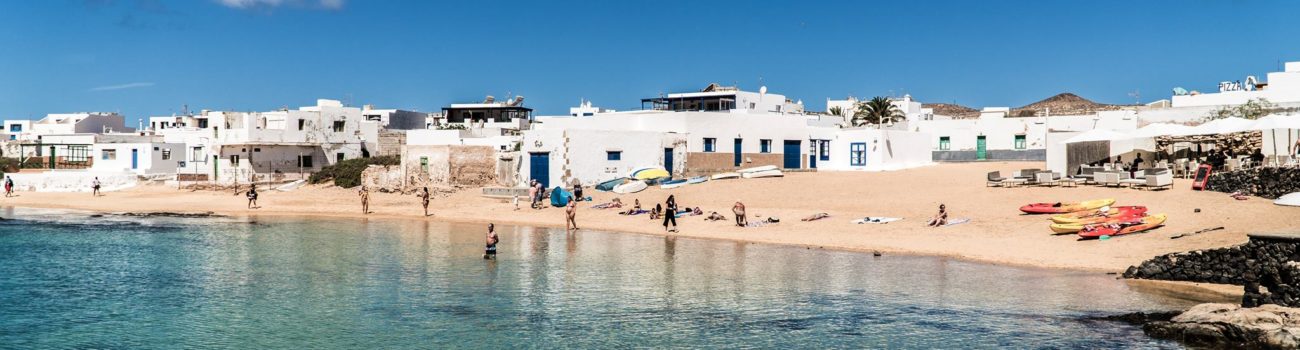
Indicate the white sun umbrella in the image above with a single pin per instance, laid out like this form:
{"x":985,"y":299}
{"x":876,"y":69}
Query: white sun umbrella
{"x":1160,"y":129}
{"x":1274,"y":122}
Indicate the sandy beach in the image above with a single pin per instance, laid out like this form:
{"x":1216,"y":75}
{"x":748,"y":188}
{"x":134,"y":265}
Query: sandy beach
{"x":997,"y":232}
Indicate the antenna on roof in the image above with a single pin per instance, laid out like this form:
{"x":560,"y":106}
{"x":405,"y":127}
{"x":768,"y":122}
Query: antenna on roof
{"x":1136,"y":95}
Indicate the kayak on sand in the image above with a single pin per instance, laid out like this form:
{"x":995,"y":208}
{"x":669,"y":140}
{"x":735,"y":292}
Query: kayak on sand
{"x":1123,"y":228}
{"x":1091,"y":216}
{"x":1061,"y":208}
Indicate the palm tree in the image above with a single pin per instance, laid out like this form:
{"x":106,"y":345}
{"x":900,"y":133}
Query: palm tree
{"x":879,"y":110}
{"x":836,"y":111}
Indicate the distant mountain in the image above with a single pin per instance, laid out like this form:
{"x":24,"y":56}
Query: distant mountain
{"x":952,"y":110}
{"x":1062,"y":104}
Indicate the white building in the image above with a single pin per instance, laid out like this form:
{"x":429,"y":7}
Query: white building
{"x":1281,"y":87}
{"x":716,"y":130}
{"x":236,"y":146}
{"x":396,"y":119}
{"x":910,"y":108}
{"x":585,"y":109}
{"x":148,"y":158}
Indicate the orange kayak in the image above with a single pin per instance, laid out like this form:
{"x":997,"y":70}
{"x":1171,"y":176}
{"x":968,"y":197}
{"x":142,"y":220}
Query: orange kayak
{"x":1123,"y":228}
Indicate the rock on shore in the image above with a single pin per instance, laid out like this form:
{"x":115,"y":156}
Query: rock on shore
{"x":1232,"y":326}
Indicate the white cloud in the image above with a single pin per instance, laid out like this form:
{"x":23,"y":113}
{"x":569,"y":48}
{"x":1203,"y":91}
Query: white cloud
{"x":253,"y":4}
{"x":122,"y":86}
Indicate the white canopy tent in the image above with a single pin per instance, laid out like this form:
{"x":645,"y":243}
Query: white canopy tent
{"x":1098,"y":135}
{"x":1160,"y":129}
{"x":1272,"y":124}
{"x":1219,"y":126}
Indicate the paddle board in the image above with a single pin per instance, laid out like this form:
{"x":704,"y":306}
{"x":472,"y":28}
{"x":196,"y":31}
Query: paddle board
{"x":697,"y":179}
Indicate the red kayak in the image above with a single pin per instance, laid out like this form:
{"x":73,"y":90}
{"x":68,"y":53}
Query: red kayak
{"x":1123,"y":228}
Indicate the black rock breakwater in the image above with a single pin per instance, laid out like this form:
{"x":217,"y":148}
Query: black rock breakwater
{"x":1268,"y":261}
{"x":1268,"y":182}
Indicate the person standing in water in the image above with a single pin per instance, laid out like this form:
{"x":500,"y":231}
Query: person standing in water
{"x":365,"y":200}
{"x":424,"y":199}
{"x":670,"y":213}
{"x":252,"y":197}
{"x":94,"y":187}
{"x":571,"y":213}
{"x":491,"y":251}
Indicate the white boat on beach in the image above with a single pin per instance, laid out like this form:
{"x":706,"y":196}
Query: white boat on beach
{"x":757,"y":169}
{"x":762,"y":174}
{"x":724,"y":176}
{"x":290,"y":186}
{"x":630,"y":187}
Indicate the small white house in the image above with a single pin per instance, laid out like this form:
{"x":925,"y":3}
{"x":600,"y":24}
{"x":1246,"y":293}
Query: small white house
{"x":139,"y":158}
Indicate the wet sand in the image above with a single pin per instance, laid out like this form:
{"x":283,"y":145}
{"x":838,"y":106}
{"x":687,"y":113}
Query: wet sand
{"x":998,"y":233}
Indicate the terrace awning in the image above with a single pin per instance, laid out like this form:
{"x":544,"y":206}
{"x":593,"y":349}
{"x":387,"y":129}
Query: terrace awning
{"x":1098,"y":135}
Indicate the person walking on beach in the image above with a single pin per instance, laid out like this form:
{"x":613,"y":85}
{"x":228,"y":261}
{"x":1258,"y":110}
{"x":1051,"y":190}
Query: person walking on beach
{"x":490,"y":253}
{"x":9,"y":186}
{"x":252,"y":197}
{"x":365,"y":200}
{"x":94,"y":187}
{"x":571,"y":213}
{"x":670,"y":213}
{"x":939,"y":219}
{"x":739,"y":210}
{"x":532,"y":194}
{"x":424,"y":200}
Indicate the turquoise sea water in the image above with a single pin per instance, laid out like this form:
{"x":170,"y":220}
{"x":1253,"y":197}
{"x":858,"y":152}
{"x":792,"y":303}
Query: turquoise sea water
{"x":68,"y":280}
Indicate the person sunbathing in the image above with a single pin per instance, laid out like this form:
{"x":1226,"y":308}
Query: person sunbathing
{"x":697,"y":211}
{"x":714,"y":216}
{"x":657,"y":213}
{"x":815,"y":217}
{"x":941,"y":218}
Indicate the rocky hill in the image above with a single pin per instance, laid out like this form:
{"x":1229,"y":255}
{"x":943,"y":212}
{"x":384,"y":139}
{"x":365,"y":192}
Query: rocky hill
{"x":952,"y":110}
{"x":1062,"y":104}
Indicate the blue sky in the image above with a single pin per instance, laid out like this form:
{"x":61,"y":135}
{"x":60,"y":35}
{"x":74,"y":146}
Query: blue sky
{"x":149,"y":57}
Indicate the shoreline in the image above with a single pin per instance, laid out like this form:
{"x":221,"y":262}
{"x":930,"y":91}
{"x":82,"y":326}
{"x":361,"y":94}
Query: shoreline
{"x":997,"y":234}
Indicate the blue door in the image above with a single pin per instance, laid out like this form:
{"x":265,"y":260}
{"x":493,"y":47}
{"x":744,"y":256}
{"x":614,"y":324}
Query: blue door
{"x":539,"y":168}
{"x":135,"y":158}
{"x":792,"y":154}
{"x":668,"y":160}
{"x":736,"y":158}
{"x":812,"y":153}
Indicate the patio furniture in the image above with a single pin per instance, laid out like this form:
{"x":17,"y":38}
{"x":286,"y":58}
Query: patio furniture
{"x":1046,"y":178}
{"x":995,"y":179}
{"x":1162,"y":179}
{"x":1085,"y":173}
{"x":1026,"y":174}
{"x":1233,"y":164}
{"x":1014,"y":182}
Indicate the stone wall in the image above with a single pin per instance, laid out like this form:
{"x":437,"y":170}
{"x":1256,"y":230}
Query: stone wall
{"x":447,"y":166}
{"x":1267,"y":260}
{"x":1266,"y":182}
{"x":390,"y":143}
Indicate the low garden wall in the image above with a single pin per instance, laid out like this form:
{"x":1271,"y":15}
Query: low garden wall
{"x":1266,"y":182}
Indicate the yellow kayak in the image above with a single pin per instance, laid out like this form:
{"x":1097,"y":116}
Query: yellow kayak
{"x":1061,"y":208}
{"x":1078,"y":226}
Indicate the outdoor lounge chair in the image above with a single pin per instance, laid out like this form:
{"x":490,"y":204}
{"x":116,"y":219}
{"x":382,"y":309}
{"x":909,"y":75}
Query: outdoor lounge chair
{"x":1045,"y":178}
{"x":1160,"y":179}
{"x":1027,"y":174}
{"x":995,"y":179}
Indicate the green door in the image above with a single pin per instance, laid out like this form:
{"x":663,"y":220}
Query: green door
{"x":981,"y":152}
